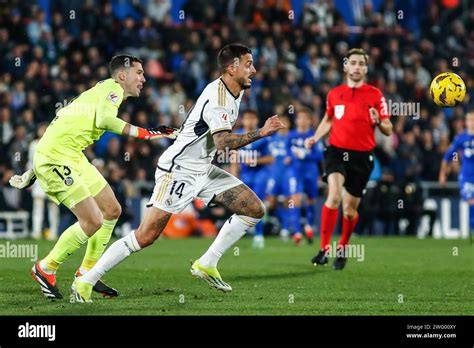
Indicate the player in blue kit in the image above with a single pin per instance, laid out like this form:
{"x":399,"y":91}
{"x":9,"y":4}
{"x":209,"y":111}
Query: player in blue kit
{"x":280,"y":172}
{"x":254,"y":164}
{"x":462,"y":149}
{"x":304,"y":164}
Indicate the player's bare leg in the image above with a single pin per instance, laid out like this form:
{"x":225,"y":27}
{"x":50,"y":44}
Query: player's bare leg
{"x":153,"y":224}
{"x":248,"y":210}
{"x":335,"y":184}
{"x":111,"y":210}
{"x":349,"y":221}
{"x":329,"y":216}
{"x":295,"y":217}
{"x":90,"y":219}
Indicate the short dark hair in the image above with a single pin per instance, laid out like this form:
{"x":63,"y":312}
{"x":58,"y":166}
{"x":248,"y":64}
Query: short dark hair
{"x":358,"y":51}
{"x":228,"y":53}
{"x":122,"y":61}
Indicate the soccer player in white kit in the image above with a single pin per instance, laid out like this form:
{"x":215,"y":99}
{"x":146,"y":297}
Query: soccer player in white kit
{"x":185,"y":172}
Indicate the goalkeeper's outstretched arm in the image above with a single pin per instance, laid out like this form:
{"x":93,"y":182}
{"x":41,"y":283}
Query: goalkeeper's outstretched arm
{"x":119,"y":126}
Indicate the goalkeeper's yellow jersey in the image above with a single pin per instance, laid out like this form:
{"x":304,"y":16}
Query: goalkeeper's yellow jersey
{"x":75,"y":126}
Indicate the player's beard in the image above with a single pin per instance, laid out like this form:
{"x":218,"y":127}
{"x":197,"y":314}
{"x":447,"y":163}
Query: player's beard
{"x":243,"y":83}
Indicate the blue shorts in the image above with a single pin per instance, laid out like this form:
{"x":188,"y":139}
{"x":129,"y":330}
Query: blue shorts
{"x":278,"y":185}
{"x":307,"y":183}
{"x":287,"y":183}
{"x":467,"y":189}
{"x":257,"y":181}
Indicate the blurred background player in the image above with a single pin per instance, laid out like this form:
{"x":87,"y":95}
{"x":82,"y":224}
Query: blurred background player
{"x":278,"y":183}
{"x":253,"y":170}
{"x":304,"y":175}
{"x":353,"y":111}
{"x":67,"y":177}
{"x":40,"y":198}
{"x":462,"y":149}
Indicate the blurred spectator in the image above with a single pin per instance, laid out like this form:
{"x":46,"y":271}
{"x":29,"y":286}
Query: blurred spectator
{"x":37,"y":27}
{"x":17,"y":149}
{"x":6,"y":126}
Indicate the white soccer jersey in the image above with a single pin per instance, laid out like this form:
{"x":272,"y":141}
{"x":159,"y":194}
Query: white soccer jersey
{"x":215,"y":110}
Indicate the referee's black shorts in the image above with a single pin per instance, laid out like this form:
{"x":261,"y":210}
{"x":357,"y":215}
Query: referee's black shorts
{"x":355,"y":166}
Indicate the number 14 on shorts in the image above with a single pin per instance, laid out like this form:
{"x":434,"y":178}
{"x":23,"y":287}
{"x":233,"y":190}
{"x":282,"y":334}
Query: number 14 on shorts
{"x":177,"y":188}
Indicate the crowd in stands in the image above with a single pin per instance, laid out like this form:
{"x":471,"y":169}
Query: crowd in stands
{"x":48,"y":56}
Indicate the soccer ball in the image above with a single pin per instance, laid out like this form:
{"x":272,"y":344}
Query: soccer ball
{"x":447,"y":89}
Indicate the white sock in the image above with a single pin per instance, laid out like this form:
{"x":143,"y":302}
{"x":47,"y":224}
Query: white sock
{"x":231,"y":232}
{"x":115,"y":254}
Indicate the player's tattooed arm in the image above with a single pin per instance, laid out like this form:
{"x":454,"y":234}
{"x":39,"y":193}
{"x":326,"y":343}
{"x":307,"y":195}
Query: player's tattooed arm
{"x":226,"y":140}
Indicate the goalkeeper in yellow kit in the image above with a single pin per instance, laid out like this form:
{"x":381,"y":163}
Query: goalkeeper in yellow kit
{"x":67,"y":177}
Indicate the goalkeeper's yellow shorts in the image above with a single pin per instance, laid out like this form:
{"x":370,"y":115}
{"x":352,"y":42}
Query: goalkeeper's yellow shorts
{"x":67,"y":182}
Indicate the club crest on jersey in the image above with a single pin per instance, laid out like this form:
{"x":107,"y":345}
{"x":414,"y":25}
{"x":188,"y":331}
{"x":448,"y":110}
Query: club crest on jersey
{"x":339,"y":111}
{"x":113,"y":97}
{"x":225,"y":117}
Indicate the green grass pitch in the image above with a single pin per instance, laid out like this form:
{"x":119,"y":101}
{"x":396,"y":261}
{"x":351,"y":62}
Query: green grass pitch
{"x":399,"y":276}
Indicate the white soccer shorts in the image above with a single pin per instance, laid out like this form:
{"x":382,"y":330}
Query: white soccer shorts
{"x":175,"y":190}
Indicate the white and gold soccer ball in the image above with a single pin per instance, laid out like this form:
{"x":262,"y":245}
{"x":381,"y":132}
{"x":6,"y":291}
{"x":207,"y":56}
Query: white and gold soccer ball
{"x":447,"y":89}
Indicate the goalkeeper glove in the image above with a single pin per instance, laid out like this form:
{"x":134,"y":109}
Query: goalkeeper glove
{"x":23,"y":181}
{"x":155,"y":132}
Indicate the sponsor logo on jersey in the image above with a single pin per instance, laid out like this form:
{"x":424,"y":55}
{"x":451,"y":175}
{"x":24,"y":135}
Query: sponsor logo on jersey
{"x":113,"y":97}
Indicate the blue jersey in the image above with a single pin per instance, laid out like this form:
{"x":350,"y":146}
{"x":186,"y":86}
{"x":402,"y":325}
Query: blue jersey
{"x":463,"y":145}
{"x":255,"y":151}
{"x":278,"y":148}
{"x":280,"y":174}
{"x":254,"y":176}
{"x":304,"y":161}
{"x":463,"y":148}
